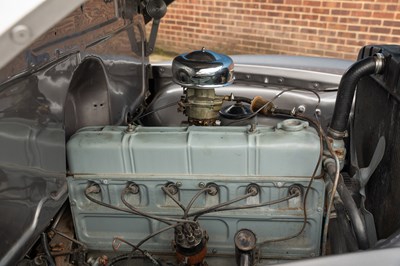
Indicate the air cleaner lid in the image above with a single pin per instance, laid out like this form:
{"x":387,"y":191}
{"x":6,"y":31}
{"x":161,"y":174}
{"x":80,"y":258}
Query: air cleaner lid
{"x":202,"y":69}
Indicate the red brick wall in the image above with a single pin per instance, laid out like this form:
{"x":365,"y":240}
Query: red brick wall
{"x":303,"y":27}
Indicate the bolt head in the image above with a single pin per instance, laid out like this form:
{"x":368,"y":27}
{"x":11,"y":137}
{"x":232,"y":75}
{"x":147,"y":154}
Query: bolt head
{"x":20,"y":34}
{"x":301,"y":109}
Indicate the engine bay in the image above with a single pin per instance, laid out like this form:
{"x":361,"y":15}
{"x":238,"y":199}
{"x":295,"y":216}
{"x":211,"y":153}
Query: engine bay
{"x":207,"y":180}
{"x":236,"y":171}
{"x":209,"y":159}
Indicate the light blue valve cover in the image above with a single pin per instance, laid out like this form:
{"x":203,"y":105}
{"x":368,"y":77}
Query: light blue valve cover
{"x":231,"y":157}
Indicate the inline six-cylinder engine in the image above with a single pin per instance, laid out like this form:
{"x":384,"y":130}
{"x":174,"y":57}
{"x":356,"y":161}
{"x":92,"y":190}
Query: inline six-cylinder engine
{"x":194,"y":187}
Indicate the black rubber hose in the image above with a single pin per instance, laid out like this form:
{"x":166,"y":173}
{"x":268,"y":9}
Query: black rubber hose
{"x":347,"y":87}
{"x":336,"y":237}
{"x":342,"y":221}
{"x":242,"y":99}
{"x":45,"y":245}
{"x":354,"y":215}
{"x":352,"y":209}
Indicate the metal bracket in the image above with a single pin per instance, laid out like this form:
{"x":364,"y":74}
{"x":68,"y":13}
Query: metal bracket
{"x":156,"y":9}
{"x":153,"y":36}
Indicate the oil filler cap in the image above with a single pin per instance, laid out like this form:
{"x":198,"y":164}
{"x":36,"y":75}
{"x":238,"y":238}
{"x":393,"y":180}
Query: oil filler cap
{"x":202,"y":69}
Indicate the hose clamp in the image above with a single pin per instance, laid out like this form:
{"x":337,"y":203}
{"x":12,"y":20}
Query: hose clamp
{"x":379,"y":63}
{"x":337,"y":134}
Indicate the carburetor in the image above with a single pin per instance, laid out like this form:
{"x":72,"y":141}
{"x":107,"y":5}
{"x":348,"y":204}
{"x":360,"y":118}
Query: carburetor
{"x":199,"y":73}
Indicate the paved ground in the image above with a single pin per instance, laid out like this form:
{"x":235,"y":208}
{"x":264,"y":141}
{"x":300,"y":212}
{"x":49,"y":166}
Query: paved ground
{"x":158,"y":58}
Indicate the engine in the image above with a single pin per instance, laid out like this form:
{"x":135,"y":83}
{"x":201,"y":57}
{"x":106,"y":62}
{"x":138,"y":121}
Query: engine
{"x":198,"y":190}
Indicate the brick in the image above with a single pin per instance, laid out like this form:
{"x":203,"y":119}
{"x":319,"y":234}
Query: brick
{"x":220,"y":28}
{"x":267,"y":6}
{"x":393,"y":7}
{"x":351,"y":5}
{"x":357,"y":28}
{"x":331,"y":4}
{"x":236,"y":4}
{"x":374,"y":7}
{"x":388,"y":39}
{"x":315,"y":52}
{"x":340,"y":12}
{"x":297,"y":36}
{"x":324,"y":46}
{"x":293,"y":2}
{"x":259,"y":13}
{"x":320,"y":11}
{"x":347,"y":35}
{"x":336,"y":26}
{"x":316,"y":38}
{"x":265,"y":19}
{"x":332,"y":54}
{"x":329,"y":18}
{"x":299,"y":23}
{"x":391,"y":23}
{"x":384,"y":15}
{"x":309,"y":17}
{"x":367,"y":37}
{"x":327,"y":32}
{"x":282,"y":21}
{"x":334,"y":40}
{"x":274,"y":14}
{"x":312,"y":3}
{"x":306,"y":44}
{"x":349,"y":20}
{"x":301,"y":9}
{"x":284,"y":8}
{"x":308,"y":31}
{"x":243,"y":11}
{"x":315,"y":24}
{"x":249,"y":43}
{"x":252,"y":5}
{"x":380,"y":30}
{"x":292,"y":15}
{"x":371,"y":21}
{"x":396,"y":32}
{"x":360,"y":13}
{"x":356,"y":42}
{"x":313,"y":27}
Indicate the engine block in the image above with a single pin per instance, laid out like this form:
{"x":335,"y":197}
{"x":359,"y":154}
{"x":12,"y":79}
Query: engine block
{"x":231,"y":158}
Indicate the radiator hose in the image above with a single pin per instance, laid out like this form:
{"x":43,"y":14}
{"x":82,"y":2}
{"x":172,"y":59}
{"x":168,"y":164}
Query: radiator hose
{"x":353,"y":212}
{"x":340,"y":232}
{"x":344,"y":99}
